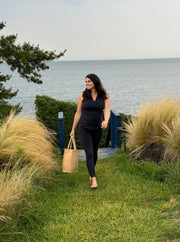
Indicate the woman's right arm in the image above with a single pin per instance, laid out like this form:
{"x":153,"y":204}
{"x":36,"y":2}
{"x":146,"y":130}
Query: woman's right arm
{"x":77,"y":115}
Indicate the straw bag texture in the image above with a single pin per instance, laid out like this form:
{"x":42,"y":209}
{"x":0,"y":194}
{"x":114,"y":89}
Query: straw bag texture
{"x":70,"y":158}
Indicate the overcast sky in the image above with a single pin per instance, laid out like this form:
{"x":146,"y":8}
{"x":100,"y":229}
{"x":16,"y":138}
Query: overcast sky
{"x":97,"y":29}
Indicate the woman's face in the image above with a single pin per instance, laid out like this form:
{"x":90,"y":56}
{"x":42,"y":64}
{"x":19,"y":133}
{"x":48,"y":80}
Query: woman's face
{"x":89,"y":84}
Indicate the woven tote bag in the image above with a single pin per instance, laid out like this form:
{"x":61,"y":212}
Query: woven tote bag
{"x":70,"y":157}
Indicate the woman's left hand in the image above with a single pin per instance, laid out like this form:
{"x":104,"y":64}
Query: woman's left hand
{"x":104,"y":125}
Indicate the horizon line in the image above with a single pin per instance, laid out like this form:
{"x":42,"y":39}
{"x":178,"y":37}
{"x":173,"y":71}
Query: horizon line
{"x":127,"y":59}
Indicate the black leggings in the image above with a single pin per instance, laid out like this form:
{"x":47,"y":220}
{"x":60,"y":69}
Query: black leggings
{"x":90,"y":140}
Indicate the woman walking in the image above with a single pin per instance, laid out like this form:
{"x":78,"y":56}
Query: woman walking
{"x":89,"y":118}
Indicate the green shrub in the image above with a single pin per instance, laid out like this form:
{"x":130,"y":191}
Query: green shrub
{"x":125,"y":118}
{"x":47,"y":111}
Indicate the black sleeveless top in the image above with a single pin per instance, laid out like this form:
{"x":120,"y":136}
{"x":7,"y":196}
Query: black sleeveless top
{"x":91,"y":117}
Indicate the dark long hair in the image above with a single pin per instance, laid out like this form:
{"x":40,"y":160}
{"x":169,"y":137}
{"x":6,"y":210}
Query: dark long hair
{"x":98,"y":86}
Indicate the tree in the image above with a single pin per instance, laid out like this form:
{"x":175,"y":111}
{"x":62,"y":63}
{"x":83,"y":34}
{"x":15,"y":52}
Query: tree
{"x":27,"y":59}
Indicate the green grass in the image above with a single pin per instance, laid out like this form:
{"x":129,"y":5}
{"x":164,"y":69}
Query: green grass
{"x":134,"y":202}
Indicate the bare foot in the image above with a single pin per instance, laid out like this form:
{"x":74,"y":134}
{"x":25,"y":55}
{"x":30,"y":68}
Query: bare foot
{"x":94,"y":183}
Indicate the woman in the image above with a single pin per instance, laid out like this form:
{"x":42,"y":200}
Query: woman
{"x":88,"y":117}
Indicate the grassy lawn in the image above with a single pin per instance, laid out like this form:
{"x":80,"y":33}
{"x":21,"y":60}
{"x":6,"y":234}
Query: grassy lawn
{"x":132,"y":203}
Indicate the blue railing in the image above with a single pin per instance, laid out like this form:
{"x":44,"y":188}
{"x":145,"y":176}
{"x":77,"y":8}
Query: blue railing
{"x":115,"y":134}
{"x":61,"y":132}
{"x":115,"y":122}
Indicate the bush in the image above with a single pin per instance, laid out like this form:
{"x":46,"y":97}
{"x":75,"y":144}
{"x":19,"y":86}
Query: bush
{"x":47,"y":111}
{"x":26,"y":157}
{"x":125,"y":119}
{"x":146,"y":132}
{"x":25,"y":141}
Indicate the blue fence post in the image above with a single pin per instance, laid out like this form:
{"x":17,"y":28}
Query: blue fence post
{"x":61,"y":132}
{"x":115,"y":135}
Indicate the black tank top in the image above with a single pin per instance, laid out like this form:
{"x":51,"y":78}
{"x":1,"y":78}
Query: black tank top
{"x":91,"y":117}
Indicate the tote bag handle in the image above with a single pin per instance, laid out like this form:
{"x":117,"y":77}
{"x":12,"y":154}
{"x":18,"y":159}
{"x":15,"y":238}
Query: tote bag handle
{"x":72,"y":142}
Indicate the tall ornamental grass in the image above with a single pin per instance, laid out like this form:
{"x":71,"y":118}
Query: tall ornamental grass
{"x":26,"y":156}
{"x":15,"y":185}
{"x":146,"y":133}
{"x":172,"y":139}
{"x":27,"y":141}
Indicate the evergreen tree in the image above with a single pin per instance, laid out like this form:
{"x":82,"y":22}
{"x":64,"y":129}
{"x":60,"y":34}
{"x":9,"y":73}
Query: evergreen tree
{"x":28,"y":60}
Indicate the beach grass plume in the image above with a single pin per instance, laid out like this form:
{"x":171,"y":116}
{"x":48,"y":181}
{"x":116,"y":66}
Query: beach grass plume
{"x":146,"y":132}
{"x":26,"y":140}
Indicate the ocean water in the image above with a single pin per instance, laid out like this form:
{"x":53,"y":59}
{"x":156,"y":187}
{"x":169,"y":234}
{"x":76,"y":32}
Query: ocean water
{"x":129,"y":83}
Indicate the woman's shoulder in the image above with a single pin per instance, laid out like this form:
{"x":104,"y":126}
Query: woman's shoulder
{"x":107,"y":95}
{"x":80,"y":96}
